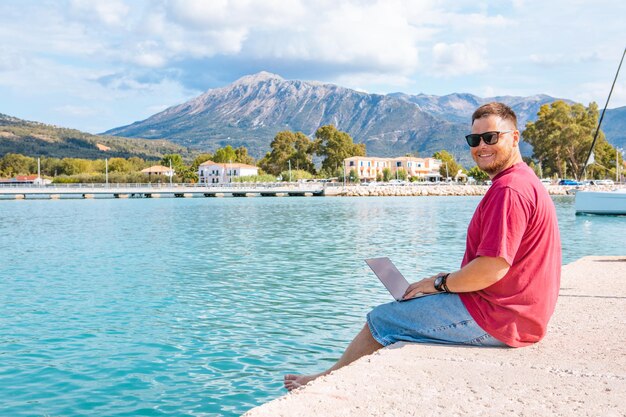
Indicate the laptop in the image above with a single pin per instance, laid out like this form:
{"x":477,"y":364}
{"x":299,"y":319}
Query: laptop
{"x":391,"y":278}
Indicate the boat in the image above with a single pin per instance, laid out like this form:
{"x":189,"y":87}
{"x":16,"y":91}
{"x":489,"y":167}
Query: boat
{"x":601,"y":202}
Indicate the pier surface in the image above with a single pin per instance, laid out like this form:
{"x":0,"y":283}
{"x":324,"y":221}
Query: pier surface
{"x":579,"y":369}
{"x":278,"y":189}
{"x":56,"y":191}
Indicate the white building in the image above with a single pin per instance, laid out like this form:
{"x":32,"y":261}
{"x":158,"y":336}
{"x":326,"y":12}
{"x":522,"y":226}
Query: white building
{"x":368,"y":167}
{"x":210,"y":172}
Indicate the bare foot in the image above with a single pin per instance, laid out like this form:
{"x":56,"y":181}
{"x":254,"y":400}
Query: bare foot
{"x":296,"y":381}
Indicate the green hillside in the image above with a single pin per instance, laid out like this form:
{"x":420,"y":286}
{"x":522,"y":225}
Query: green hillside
{"x":38,"y":139}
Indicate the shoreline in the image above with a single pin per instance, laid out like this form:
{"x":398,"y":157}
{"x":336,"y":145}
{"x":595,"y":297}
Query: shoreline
{"x":578,"y":369}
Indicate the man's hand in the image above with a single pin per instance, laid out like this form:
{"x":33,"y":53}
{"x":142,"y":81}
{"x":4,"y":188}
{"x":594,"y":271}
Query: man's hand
{"x":476,"y":275}
{"x":425,"y":286}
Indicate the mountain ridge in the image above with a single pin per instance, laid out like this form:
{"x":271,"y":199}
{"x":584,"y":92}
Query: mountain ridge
{"x":33,"y":138}
{"x":251,"y":110}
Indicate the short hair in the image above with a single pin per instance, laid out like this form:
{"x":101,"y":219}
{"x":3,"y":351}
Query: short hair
{"x":495,"y":109}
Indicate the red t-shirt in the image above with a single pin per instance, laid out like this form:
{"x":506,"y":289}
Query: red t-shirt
{"x":516,"y":220}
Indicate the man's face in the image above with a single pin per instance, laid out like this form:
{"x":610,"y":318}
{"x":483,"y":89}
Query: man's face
{"x":495,"y":158}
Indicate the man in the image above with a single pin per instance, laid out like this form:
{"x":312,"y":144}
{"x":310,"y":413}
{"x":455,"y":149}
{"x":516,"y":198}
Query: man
{"x":507,"y":287}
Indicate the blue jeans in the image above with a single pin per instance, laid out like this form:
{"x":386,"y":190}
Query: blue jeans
{"x":438,"y":318}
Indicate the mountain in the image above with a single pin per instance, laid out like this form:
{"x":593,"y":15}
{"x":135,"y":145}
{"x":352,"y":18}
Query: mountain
{"x":253,"y":109}
{"x":38,"y":139}
{"x":458,"y":107}
{"x":614,"y":126}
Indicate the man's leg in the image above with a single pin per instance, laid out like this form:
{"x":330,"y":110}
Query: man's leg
{"x":362,"y":345}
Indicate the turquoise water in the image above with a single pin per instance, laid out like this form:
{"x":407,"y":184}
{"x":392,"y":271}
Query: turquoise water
{"x":196,"y":307}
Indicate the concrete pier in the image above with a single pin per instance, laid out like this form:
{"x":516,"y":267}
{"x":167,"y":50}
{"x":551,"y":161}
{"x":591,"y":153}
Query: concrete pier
{"x":82,"y":191}
{"x":579,"y":369}
{"x":248,"y":190}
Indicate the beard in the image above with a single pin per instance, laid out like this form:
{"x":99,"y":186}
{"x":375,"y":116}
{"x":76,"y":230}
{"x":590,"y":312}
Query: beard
{"x":502,"y":161}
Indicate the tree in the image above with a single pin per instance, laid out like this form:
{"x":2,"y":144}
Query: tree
{"x":120,"y":165}
{"x":478,"y":174}
{"x":175,"y":159}
{"x":402,"y":174}
{"x":561,"y":137}
{"x":353,"y":176}
{"x":386,"y":174}
{"x":74,"y":166}
{"x":187,"y":174}
{"x":449,"y":166}
{"x":303,"y":155}
{"x":136,"y":163}
{"x":203,"y":157}
{"x":51,"y":166}
{"x":335,"y":146}
{"x":13,"y":164}
{"x":241,"y":156}
{"x":295,"y":175}
{"x":289,"y":147}
{"x":225,"y":155}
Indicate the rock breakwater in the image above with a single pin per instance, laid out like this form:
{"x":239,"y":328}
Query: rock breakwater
{"x":426,"y":190}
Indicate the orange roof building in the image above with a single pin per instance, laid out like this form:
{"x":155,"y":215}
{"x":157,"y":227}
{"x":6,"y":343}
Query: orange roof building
{"x":158,"y":170}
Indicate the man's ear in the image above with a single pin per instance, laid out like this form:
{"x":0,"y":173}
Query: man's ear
{"x":516,"y":138}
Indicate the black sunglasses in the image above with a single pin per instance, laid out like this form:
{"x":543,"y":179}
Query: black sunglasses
{"x":490,"y":138}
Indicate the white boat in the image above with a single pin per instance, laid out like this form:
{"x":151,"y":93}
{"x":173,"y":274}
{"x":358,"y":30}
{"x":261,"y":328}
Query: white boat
{"x":601,"y":202}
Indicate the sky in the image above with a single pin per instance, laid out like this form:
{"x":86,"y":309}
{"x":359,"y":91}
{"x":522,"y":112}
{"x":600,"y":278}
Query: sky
{"x":98,"y":64}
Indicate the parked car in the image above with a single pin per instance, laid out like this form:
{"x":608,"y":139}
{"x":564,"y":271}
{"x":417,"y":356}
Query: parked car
{"x":603,"y":182}
{"x":546,"y":181}
{"x":569,"y":182}
{"x":397,"y":182}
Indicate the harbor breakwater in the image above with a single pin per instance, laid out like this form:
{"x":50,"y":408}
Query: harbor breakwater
{"x":432,"y":190}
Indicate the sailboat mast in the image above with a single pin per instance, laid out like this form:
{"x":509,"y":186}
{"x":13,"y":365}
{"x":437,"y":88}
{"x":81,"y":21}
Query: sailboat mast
{"x":595,"y":136}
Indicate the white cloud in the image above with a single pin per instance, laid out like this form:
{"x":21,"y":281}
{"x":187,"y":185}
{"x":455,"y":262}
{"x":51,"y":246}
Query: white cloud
{"x":375,"y":36}
{"x":76,"y":111}
{"x":459,"y":58}
{"x":561,"y":59}
{"x":358,"y":81}
{"x":489,"y":91}
{"x":201,"y":15}
{"x":11,"y":60}
{"x":109,"y":12}
{"x":64,"y":48}
{"x":599,"y":91}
